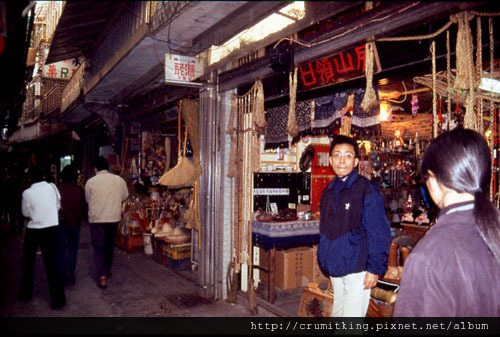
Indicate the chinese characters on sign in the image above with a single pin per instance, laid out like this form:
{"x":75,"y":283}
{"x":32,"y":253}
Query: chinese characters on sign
{"x":334,"y":69}
{"x":179,"y":68}
{"x":61,"y":70}
{"x":271,"y":191}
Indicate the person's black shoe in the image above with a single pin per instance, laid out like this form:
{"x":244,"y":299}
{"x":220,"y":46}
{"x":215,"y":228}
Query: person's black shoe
{"x":24,"y":297}
{"x":69,"y":280}
{"x":102,"y":282}
{"x":58,"y":305}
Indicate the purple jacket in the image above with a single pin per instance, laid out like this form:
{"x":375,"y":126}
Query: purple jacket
{"x":450,"y":272}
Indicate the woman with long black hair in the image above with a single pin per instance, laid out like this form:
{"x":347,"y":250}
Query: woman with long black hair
{"x":454,"y":271}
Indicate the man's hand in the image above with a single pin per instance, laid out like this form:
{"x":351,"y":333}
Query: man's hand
{"x":370,"y":280}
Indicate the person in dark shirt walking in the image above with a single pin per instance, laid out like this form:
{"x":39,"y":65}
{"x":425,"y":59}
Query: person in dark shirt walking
{"x":74,"y":209}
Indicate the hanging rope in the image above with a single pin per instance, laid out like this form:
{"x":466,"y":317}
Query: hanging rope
{"x":492,"y":114}
{"x":434,"y":94}
{"x":248,"y":112}
{"x":231,"y":130}
{"x":292,"y":128}
{"x":448,"y":80}
{"x":453,"y":20}
{"x":259,"y":117}
{"x":463,"y":52}
{"x":479,"y":74}
{"x":370,"y":98}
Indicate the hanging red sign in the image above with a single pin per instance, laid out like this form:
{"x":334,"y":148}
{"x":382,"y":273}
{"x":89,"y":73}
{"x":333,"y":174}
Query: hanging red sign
{"x":338,"y":68}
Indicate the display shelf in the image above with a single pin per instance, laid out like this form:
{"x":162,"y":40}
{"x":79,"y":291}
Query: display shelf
{"x":270,"y":160}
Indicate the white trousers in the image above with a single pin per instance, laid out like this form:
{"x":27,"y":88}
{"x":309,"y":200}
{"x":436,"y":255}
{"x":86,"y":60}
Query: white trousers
{"x":349,"y":297}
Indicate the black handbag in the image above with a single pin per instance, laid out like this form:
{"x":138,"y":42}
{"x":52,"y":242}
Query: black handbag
{"x":61,"y":216}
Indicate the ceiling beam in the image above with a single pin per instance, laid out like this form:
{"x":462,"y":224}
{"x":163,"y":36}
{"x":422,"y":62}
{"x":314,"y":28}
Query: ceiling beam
{"x":242,"y":18}
{"x":315,"y":12}
{"x":420,"y":13}
{"x":80,"y":24}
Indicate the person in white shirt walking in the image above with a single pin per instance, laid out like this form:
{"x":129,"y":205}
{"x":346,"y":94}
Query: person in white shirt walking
{"x":40,"y":203}
{"x":105,"y":193}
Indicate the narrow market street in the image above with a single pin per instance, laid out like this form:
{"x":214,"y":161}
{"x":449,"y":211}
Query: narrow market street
{"x":139,"y":287}
{"x":270,"y":162}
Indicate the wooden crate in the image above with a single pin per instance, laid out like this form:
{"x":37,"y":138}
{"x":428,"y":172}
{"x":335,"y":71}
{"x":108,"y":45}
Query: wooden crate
{"x":177,"y":252}
{"x":316,"y":303}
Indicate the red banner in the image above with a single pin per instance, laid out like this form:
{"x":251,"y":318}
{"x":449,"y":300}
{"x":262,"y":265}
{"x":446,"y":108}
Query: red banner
{"x":338,"y":68}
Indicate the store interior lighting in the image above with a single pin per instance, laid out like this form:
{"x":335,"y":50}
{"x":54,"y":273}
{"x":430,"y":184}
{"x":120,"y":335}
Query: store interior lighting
{"x":385,"y":111}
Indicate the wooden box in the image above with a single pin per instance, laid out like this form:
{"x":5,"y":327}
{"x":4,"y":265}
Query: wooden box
{"x":316,"y":303}
{"x":177,"y":252}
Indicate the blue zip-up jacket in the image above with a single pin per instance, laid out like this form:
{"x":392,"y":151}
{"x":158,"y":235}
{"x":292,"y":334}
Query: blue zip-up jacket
{"x":354,"y":232}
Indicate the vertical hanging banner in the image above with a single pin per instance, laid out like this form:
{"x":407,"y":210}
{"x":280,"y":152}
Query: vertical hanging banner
{"x":181,"y":69}
{"x":341,"y":67}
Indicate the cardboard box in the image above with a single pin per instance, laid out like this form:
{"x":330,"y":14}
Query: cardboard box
{"x":293,"y":267}
{"x":318,"y":276}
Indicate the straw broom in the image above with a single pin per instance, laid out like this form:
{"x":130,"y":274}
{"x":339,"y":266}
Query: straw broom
{"x":182,"y":174}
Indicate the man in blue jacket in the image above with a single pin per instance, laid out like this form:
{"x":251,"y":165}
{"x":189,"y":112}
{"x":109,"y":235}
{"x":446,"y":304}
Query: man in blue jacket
{"x":354,"y":232}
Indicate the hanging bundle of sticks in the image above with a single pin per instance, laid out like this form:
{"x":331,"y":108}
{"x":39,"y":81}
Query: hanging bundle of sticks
{"x":292,"y":128}
{"x":191,"y":118}
{"x":370,"y":98}
{"x":247,"y":113}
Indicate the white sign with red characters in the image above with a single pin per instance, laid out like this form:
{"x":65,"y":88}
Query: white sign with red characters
{"x":183,"y":69}
{"x":61,"y":70}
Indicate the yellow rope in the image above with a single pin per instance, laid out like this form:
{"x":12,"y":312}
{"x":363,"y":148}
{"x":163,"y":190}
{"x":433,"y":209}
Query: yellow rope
{"x":416,"y":37}
{"x":492,"y":109}
{"x":292,"y":122}
{"x":479,"y":73}
{"x":463,"y":53}
{"x":465,"y":77}
{"x":448,"y":79}
{"x":434,"y":110}
{"x":453,"y":19}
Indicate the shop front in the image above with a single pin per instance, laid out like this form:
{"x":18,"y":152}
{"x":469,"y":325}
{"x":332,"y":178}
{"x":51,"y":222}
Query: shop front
{"x":278,"y":134}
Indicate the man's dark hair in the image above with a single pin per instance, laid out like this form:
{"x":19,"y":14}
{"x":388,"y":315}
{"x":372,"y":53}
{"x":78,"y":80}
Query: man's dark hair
{"x":100,"y":163}
{"x":35,"y":174}
{"x":340,"y":139}
{"x":69,"y":174}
